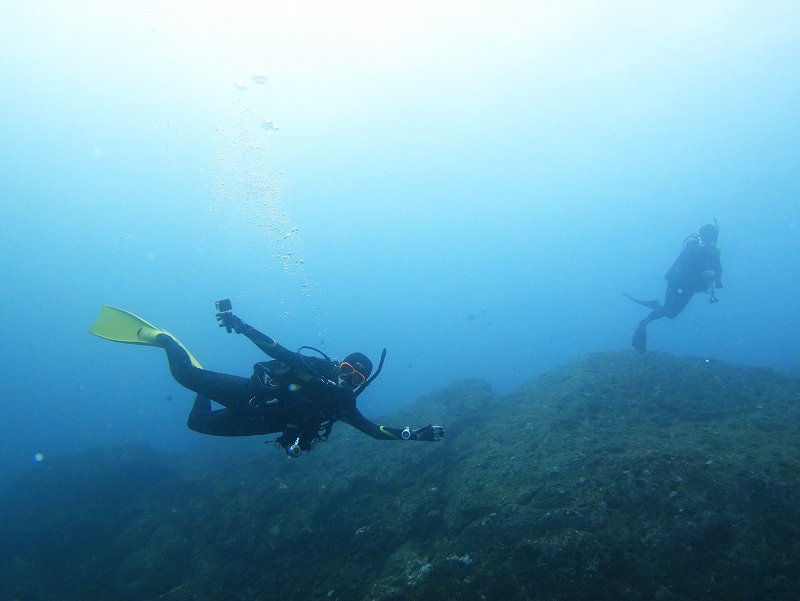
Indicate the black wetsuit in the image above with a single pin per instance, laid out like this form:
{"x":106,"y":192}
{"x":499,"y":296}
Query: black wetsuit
{"x":697,"y":269}
{"x":687,"y":276}
{"x":299,"y":397}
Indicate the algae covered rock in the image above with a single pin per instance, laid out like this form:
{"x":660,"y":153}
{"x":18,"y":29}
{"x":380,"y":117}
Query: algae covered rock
{"x":618,"y":476}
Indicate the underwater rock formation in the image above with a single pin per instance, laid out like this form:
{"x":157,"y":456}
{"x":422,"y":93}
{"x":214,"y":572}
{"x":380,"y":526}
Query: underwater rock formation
{"x":618,"y":476}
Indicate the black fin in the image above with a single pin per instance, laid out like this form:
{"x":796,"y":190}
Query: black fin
{"x":639,"y":341}
{"x":650,"y":304}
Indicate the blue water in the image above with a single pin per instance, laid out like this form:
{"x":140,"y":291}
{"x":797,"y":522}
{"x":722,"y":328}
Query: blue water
{"x":470,"y":185}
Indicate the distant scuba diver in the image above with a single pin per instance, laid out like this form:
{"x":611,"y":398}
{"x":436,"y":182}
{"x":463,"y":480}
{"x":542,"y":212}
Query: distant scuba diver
{"x":298,"y":395}
{"x":697,"y":269}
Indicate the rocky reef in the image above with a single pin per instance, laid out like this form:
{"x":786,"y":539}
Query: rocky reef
{"x":617,"y":476}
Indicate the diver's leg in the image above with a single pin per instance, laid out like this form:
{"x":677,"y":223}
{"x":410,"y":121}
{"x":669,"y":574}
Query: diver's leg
{"x":225,"y":389}
{"x":657,"y":313}
{"x":676,"y":301}
{"x":201,"y":409}
{"x":205,"y":420}
{"x":226,"y":422}
{"x":639,"y":340}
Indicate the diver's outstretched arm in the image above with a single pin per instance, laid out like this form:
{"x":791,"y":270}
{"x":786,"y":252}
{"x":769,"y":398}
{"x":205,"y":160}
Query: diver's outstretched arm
{"x":356,"y":419}
{"x":233,"y":323}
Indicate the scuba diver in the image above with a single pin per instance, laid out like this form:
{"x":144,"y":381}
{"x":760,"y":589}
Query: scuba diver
{"x":697,"y":269}
{"x":298,"y":395}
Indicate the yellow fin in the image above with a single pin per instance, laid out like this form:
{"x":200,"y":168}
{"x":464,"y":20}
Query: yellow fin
{"x":122,"y":326}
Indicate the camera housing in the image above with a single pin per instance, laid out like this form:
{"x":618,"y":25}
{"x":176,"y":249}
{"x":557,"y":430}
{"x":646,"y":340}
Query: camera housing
{"x":224,"y":305}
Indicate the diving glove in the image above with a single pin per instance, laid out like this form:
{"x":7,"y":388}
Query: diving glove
{"x":230,"y":322}
{"x":428,"y":433}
